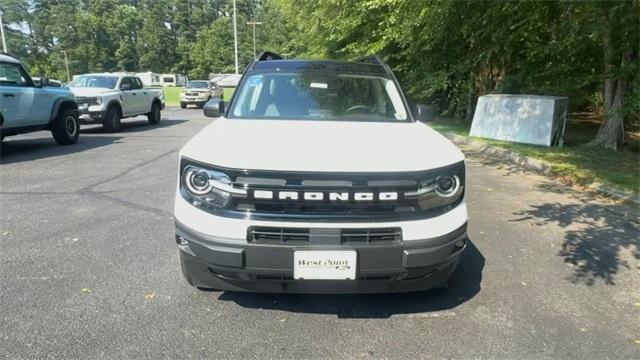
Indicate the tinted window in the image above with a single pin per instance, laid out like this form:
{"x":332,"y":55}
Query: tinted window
{"x":95,"y":81}
{"x":137,"y":84}
{"x":127,"y":81}
{"x":12,"y":74}
{"x":319,"y":95}
{"x":198,"y":84}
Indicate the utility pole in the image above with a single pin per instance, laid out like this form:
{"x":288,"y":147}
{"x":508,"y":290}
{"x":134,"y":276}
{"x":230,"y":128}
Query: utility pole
{"x":254,"y":23}
{"x":4,"y":42}
{"x":66,"y":64}
{"x":235,"y":34}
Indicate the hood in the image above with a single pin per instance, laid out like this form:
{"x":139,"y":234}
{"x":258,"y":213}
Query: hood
{"x":321,"y":146}
{"x":88,"y":92}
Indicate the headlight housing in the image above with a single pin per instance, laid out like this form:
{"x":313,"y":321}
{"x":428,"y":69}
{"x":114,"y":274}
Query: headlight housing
{"x":443,"y":191}
{"x":99,"y":100}
{"x":206,"y":188}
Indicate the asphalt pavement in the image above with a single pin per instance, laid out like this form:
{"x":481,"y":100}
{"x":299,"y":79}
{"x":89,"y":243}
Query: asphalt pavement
{"x":89,"y":268}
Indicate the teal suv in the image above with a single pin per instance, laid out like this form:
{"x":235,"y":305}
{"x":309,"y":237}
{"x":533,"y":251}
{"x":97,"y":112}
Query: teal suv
{"x":27,"y":107}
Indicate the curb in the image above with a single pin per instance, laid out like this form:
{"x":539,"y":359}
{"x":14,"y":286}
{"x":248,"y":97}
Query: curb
{"x":536,"y":166}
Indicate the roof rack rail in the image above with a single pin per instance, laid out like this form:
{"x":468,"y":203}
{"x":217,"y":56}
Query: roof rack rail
{"x":267,"y":55}
{"x":374,"y":60}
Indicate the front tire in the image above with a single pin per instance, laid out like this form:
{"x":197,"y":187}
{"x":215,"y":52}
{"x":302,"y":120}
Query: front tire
{"x":66,"y":127}
{"x":112,"y":121}
{"x":154,"y":115}
{"x":183,"y":105}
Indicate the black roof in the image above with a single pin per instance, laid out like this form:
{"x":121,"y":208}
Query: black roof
{"x":326,"y":65}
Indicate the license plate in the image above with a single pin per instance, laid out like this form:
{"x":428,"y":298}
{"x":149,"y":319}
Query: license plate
{"x":324,"y":265}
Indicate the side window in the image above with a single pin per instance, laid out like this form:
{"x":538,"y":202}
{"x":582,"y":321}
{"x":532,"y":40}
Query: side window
{"x":12,"y":74}
{"x":138,"y":83}
{"x":126,"y":81}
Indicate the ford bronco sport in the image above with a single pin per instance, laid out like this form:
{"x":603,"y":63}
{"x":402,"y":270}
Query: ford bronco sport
{"x":317,"y":178}
{"x":27,"y":107}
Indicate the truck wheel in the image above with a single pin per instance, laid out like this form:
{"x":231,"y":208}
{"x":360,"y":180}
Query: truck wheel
{"x":111,"y":122}
{"x":65,"y":128}
{"x":183,"y":105}
{"x":154,"y":115}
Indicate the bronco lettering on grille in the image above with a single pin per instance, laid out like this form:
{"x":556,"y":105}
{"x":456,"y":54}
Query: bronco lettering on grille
{"x":319,"y":195}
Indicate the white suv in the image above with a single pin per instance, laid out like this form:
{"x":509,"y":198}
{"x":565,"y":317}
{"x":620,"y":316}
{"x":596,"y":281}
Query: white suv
{"x":107,"y":98}
{"x":318,"y":178}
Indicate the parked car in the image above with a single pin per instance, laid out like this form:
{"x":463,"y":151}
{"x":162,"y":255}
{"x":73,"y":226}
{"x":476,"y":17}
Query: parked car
{"x":108,"y":98}
{"x":27,"y":107}
{"x":319,"y":177}
{"x":198,"y":92}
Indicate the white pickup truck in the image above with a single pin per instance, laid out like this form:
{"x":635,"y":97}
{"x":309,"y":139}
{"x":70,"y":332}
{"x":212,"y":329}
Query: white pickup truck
{"x":108,"y":98}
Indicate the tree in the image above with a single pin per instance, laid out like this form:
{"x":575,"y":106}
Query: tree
{"x":617,"y":25}
{"x":156,"y":46}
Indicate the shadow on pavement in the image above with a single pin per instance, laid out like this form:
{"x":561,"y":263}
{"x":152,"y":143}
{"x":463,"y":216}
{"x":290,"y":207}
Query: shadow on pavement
{"x":599,"y":239}
{"x":18,"y":150}
{"x":464,"y":285}
{"x":495,"y":162}
{"x":130,"y":126}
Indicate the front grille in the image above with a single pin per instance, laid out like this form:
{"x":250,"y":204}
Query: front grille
{"x":293,"y":236}
{"x":193,"y":94}
{"x":371,"y":235}
{"x":278,"y":234}
{"x":89,"y":100}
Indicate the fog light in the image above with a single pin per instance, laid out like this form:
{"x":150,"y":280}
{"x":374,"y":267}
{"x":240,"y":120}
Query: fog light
{"x":459,"y":243}
{"x":181,"y":241}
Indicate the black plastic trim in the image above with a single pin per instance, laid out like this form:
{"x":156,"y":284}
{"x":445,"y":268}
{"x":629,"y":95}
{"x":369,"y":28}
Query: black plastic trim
{"x":360,"y":180}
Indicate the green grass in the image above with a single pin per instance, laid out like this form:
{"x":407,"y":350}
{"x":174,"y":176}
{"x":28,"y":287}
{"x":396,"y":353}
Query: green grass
{"x":172,"y":95}
{"x":577,"y":162}
{"x":228,"y":92}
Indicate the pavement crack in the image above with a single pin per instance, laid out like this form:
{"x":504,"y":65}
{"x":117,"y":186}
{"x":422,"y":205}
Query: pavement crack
{"x":90,"y":188}
{"x":129,"y":204}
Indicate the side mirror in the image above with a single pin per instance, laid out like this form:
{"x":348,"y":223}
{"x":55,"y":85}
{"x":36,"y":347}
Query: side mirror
{"x":44,"y":81}
{"x":125,"y":87}
{"x":214,"y":107}
{"x":424,"y":113}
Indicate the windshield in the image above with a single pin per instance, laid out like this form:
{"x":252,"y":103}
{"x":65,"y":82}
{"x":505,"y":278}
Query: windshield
{"x":319,"y":95}
{"x":198,"y":84}
{"x":95,"y":81}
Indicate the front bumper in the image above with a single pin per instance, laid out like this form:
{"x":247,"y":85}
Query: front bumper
{"x":194,"y":100}
{"x":93,"y":113}
{"x":398,"y":266}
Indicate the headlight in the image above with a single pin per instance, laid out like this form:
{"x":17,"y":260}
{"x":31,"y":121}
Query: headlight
{"x":207,"y":188}
{"x":99,"y":100}
{"x":438,"y":191}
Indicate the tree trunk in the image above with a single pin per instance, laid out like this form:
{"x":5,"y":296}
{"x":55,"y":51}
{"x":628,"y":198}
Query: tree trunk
{"x":609,"y":82}
{"x":611,"y":132}
{"x":472,"y":98}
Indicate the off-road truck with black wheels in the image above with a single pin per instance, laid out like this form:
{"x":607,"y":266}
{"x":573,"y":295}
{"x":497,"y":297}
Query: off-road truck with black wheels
{"x":27,"y":107}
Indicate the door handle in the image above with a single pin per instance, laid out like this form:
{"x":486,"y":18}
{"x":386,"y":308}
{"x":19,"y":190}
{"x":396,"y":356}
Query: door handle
{"x":9,"y":95}
{"x":133,"y":93}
